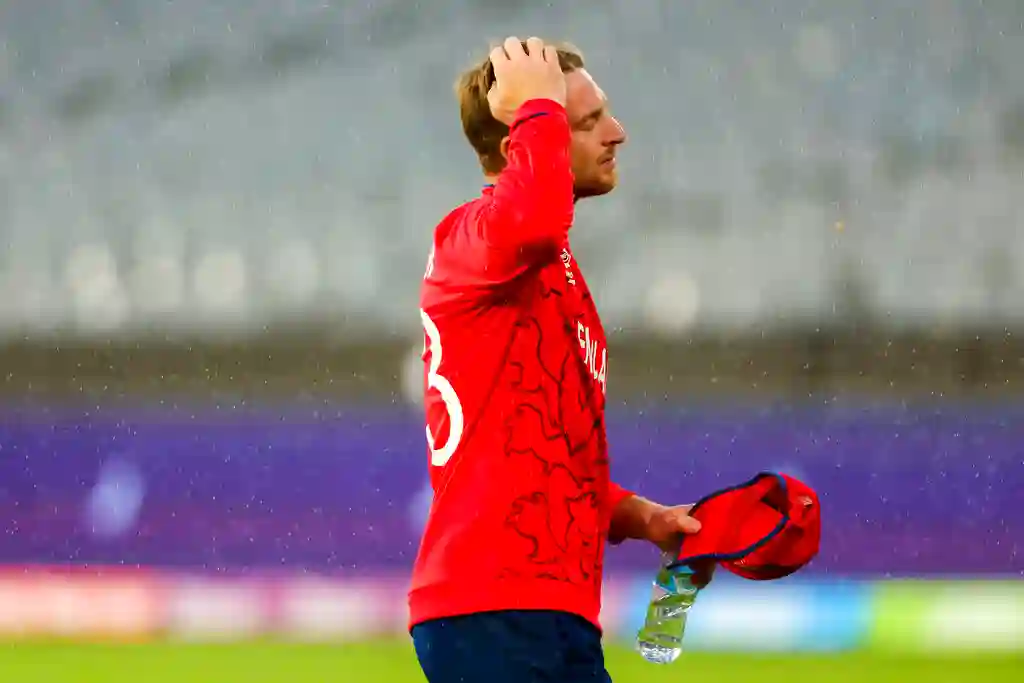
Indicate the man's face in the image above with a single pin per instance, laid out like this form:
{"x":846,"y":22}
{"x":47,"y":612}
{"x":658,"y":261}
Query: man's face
{"x":596,"y":135}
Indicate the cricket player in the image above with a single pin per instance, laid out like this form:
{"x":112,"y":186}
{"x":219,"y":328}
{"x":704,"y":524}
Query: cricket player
{"x":507,"y":583}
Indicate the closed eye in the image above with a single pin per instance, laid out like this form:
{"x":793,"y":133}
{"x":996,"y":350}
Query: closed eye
{"x":590,"y":120}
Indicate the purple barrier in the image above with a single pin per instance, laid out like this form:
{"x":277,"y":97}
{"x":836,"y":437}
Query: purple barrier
{"x":903,"y":493}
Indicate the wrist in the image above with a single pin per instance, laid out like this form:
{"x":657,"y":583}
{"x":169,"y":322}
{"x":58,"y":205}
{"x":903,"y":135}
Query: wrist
{"x":631,"y":519}
{"x":538,"y":105}
{"x":647,"y":511}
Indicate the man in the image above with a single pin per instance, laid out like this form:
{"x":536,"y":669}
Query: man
{"x":507,"y":583}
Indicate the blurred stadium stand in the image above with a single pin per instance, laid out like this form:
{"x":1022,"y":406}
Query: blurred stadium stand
{"x":221,"y":164}
{"x":813,"y":190}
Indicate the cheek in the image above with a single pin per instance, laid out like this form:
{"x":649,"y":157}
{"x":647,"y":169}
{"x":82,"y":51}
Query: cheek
{"x":583,"y":155}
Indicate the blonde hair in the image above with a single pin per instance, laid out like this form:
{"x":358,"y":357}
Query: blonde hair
{"x":483,"y":131}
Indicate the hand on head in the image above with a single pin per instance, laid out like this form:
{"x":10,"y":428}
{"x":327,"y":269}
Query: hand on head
{"x":524,"y":72}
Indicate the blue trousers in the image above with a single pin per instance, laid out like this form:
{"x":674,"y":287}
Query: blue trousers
{"x":510,"y":647}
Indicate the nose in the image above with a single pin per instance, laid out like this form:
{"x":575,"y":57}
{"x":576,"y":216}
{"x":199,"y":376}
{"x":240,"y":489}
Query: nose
{"x":616,"y":134}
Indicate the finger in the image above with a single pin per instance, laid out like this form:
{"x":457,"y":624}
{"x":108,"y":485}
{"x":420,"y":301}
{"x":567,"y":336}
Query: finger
{"x":535,"y":47}
{"x":689,"y":525}
{"x":672,"y":544}
{"x":686,"y":523}
{"x":498,"y":57}
{"x":551,"y":54}
{"x":514,"y":48}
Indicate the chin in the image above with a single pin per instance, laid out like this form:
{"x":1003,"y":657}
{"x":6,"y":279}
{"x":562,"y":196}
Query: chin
{"x":596,"y":187}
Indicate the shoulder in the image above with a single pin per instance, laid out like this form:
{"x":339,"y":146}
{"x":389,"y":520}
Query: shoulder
{"x":459,"y":221}
{"x":452,"y":250}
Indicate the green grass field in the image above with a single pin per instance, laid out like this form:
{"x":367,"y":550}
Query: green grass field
{"x":393,"y":662}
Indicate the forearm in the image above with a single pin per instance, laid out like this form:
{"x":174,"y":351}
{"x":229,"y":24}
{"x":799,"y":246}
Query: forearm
{"x":533,"y":202}
{"x":631,"y":517}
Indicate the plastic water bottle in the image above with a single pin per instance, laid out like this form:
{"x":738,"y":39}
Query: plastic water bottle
{"x":660,"y":640}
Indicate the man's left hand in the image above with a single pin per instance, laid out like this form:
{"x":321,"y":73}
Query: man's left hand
{"x":666,"y":528}
{"x":667,"y":525}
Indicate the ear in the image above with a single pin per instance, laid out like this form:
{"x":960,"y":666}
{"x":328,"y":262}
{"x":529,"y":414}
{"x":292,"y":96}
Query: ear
{"x":503,"y":147}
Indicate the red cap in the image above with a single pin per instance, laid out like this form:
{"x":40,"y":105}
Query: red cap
{"x":766,"y":528}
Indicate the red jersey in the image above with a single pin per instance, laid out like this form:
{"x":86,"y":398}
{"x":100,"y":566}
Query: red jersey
{"x":516,"y":372}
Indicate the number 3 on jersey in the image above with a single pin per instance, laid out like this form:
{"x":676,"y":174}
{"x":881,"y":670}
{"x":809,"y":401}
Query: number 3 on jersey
{"x":440,"y":456}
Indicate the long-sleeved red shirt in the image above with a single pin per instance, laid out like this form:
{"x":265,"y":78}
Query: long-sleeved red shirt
{"x":516,"y":372}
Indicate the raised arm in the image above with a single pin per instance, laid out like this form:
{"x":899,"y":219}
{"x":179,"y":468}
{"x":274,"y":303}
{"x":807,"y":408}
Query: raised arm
{"x":532,"y":202}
